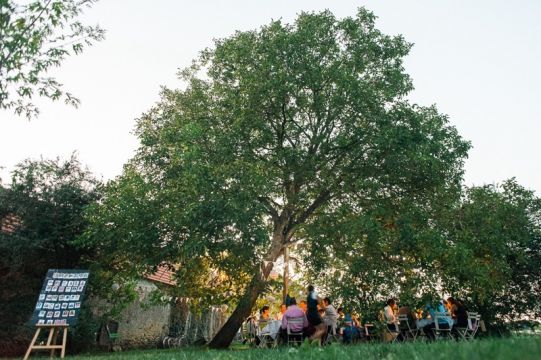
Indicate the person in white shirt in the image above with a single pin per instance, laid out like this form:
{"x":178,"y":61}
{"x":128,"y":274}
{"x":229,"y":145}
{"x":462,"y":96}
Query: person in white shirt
{"x":331,"y":316}
{"x":389,"y":313}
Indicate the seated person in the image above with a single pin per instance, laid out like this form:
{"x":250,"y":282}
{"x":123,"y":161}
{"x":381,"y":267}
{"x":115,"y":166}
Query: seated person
{"x":391,"y":319}
{"x":405,"y":310}
{"x":350,"y":333}
{"x":443,"y":323}
{"x":424,"y":319}
{"x":264,"y":313}
{"x":331,"y":316}
{"x":389,"y":315}
{"x":303,"y":305}
{"x":459,"y":312}
{"x":283,"y":309}
{"x":264,"y":317}
{"x":356,"y":320}
{"x":293,"y":311}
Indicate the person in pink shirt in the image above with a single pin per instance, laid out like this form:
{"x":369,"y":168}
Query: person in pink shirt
{"x":293,"y":311}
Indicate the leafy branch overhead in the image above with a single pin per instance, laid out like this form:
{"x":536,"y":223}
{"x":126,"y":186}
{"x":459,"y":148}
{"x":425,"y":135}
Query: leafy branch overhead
{"x":35,"y":37}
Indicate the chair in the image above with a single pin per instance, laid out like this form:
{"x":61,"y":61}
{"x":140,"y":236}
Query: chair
{"x":248,"y":332}
{"x":264,"y":335}
{"x":332,"y":335}
{"x":108,"y":334}
{"x":408,"y":331}
{"x":441,"y":333}
{"x":294,"y":337}
{"x":369,"y":332}
{"x":468,"y":333}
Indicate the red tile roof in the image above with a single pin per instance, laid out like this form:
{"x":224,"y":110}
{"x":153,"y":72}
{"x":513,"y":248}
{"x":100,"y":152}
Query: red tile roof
{"x":10,"y":223}
{"x":164,"y":274}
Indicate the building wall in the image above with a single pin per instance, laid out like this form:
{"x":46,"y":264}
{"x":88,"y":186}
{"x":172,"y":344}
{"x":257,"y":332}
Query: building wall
{"x":141,"y":324}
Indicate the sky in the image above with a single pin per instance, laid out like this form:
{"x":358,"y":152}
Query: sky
{"x":478,"y":61}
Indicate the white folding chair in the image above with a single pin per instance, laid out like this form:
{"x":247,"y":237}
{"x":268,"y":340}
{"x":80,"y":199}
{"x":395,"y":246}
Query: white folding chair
{"x":248,"y":332}
{"x":439,"y":332}
{"x":392,"y":334}
{"x":295,"y":337}
{"x":332,"y":334}
{"x":264,"y":335}
{"x":468,"y":333}
{"x":369,"y":332}
{"x":409,"y":331}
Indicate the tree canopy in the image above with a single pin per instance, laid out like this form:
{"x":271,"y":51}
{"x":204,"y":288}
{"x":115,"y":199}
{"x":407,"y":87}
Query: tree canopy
{"x":275,"y":128}
{"x":35,"y":37}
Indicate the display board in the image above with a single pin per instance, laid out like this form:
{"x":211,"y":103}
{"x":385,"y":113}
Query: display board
{"x":59,"y":301}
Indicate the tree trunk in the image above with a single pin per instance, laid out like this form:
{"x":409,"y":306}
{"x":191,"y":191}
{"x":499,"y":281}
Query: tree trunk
{"x":225,"y":335}
{"x":286,"y":275}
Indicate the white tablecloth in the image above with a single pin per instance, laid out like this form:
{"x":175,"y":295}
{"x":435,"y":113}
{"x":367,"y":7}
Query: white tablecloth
{"x":272,"y":328}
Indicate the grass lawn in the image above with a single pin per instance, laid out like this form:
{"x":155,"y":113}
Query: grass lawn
{"x":523,"y":348}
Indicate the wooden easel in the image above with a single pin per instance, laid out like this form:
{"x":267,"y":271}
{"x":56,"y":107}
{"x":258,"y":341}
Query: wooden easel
{"x":51,"y":344}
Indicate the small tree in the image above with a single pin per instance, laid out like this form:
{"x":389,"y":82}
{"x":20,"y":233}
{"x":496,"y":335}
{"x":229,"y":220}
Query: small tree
{"x":34,"y":37}
{"x":275,"y":127}
{"x":494,"y":252}
{"x":45,"y":199}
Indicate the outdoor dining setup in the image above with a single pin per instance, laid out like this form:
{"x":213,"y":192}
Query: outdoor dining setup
{"x":317,"y":320}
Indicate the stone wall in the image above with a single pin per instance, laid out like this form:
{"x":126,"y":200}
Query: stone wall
{"x":141,"y":324}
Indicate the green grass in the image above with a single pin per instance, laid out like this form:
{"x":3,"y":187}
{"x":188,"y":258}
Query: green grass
{"x":523,"y":348}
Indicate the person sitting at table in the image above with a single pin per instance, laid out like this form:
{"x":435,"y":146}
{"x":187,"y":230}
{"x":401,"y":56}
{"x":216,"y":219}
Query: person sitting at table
{"x":351,"y":332}
{"x":389,"y":315}
{"x":459,"y":312}
{"x":303,"y":305}
{"x":341,"y":318}
{"x":313,"y":316}
{"x":405,"y":310}
{"x":280,"y":315}
{"x":264,"y":318}
{"x":331,"y":316}
{"x":356,"y":320}
{"x":293,"y":311}
{"x":264,"y":313}
{"x":443,"y":323}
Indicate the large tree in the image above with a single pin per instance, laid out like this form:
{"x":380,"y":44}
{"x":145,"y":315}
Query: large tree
{"x":274,"y":127}
{"x":36,"y":36}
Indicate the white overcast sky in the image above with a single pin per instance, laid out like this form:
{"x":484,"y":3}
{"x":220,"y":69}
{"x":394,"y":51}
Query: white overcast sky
{"x":478,"y":61}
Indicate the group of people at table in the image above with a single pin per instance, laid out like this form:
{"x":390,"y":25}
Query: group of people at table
{"x":448,"y":314}
{"x":321,"y":319}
